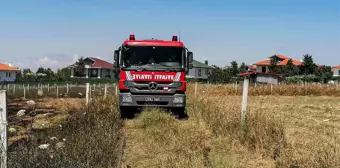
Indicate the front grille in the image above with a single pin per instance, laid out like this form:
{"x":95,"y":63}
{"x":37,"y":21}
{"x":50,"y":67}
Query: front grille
{"x":147,"y":82}
{"x":144,"y":86}
{"x":153,"y":103}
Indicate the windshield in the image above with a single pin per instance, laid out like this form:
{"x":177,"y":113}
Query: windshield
{"x":155,"y":57}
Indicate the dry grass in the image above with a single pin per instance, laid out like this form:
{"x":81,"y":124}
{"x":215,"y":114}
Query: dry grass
{"x":281,"y":90}
{"x":90,"y":137}
{"x":281,"y":131}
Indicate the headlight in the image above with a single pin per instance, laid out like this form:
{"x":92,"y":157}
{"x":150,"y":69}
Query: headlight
{"x":178,"y":100}
{"x":127,"y":99}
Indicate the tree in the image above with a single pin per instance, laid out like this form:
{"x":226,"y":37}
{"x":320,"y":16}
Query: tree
{"x":219,"y":75}
{"x":324,"y":73}
{"x":273,"y":67}
{"x":243,"y":67}
{"x":40,"y":70}
{"x":234,"y":70}
{"x":50,"y":75}
{"x":63,"y":74}
{"x":308,"y":65}
{"x":290,"y":69}
{"x":79,"y":68}
{"x":28,"y":75}
{"x":19,"y":76}
{"x":40,"y":74}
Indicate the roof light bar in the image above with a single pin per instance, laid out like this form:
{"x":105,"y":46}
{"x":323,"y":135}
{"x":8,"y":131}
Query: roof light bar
{"x":132,"y":37}
{"x":174,"y":38}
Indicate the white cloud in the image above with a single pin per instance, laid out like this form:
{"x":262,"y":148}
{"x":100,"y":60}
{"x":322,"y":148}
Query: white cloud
{"x":48,"y":62}
{"x":54,"y":63}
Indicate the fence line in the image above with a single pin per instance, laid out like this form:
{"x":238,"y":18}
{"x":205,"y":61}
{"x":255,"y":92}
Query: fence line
{"x":58,"y":91}
{"x":68,"y":90}
{"x":3,"y":127}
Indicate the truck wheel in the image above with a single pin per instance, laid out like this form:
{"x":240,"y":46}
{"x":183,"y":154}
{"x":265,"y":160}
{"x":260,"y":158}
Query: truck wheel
{"x":181,"y":113}
{"x":126,"y":112}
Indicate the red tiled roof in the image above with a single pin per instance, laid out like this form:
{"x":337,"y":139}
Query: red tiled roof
{"x":250,"y":73}
{"x":284,"y":62}
{"x":98,"y":63}
{"x":4,"y":67}
{"x":336,"y":66}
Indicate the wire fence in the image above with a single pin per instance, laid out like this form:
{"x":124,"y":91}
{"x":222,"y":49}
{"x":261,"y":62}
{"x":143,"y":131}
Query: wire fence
{"x":57,"y":91}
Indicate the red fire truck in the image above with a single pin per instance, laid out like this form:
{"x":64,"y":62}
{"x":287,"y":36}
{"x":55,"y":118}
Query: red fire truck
{"x":152,"y":73}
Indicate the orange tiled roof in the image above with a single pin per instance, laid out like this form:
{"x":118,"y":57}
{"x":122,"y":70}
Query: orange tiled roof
{"x":283,"y":62}
{"x":281,"y":56}
{"x":336,"y":66}
{"x":252,"y":67}
{"x":4,"y":67}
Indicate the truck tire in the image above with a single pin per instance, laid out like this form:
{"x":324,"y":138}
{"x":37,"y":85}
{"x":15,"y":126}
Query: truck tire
{"x":180,"y":113}
{"x":126,"y":112}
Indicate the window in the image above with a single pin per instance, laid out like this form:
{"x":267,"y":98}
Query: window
{"x":94,"y":72}
{"x":339,"y":72}
{"x":8,"y":74}
{"x":263,"y":69}
{"x":199,"y":72}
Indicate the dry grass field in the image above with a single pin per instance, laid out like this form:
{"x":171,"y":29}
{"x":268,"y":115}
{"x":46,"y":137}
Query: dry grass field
{"x":287,"y":126}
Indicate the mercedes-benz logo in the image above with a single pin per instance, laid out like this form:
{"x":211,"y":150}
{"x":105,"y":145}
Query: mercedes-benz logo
{"x":152,"y":86}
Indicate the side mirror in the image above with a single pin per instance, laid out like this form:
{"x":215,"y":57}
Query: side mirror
{"x":115,"y":57}
{"x":190,"y":59}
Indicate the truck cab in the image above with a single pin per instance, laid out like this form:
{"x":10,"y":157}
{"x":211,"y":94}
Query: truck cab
{"x":152,"y":73}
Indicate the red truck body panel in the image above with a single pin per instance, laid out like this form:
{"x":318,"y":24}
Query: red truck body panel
{"x":152,"y":76}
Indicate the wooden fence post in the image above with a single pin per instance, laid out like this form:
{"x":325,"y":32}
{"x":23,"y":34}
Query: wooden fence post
{"x":116,"y":90}
{"x":105,"y":90}
{"x":244,"y":100}
{"x":195,"y":89}
{"x":24,"y":92}
{"x":57,"y":91}
{"x":67,"y":88}
{"x":87,"y":93}
{"x":3,"y":131}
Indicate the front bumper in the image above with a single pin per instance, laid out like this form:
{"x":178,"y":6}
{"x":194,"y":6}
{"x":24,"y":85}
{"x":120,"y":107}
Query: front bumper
{"x":130,"y":100}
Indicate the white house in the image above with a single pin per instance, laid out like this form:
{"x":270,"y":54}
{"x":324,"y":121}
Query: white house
{"x":7,"y":73}
{"x":200,"y":70}
{"x":96,"y":68}
{"x":336,"y":70}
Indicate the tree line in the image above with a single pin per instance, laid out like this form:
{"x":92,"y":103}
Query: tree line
{"x":307,"y":72}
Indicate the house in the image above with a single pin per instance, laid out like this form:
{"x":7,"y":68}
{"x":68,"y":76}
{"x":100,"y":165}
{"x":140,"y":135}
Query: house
{"x":200,"y":70}
{"x":7,"y":73}
{"x":96,"y":68}
{"x":336,"y":70}
{"x":263,"y":77}
{"x":263,"y":66}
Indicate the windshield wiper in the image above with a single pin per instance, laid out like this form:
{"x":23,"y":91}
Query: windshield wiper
{"x":170,"y":70}
{"x":140,"y":68}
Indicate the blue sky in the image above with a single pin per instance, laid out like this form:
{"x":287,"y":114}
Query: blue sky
{"x":49,"y":33}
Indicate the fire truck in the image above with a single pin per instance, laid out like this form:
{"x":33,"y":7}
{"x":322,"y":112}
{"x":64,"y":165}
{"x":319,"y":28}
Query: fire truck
{"x":152,"y":73}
